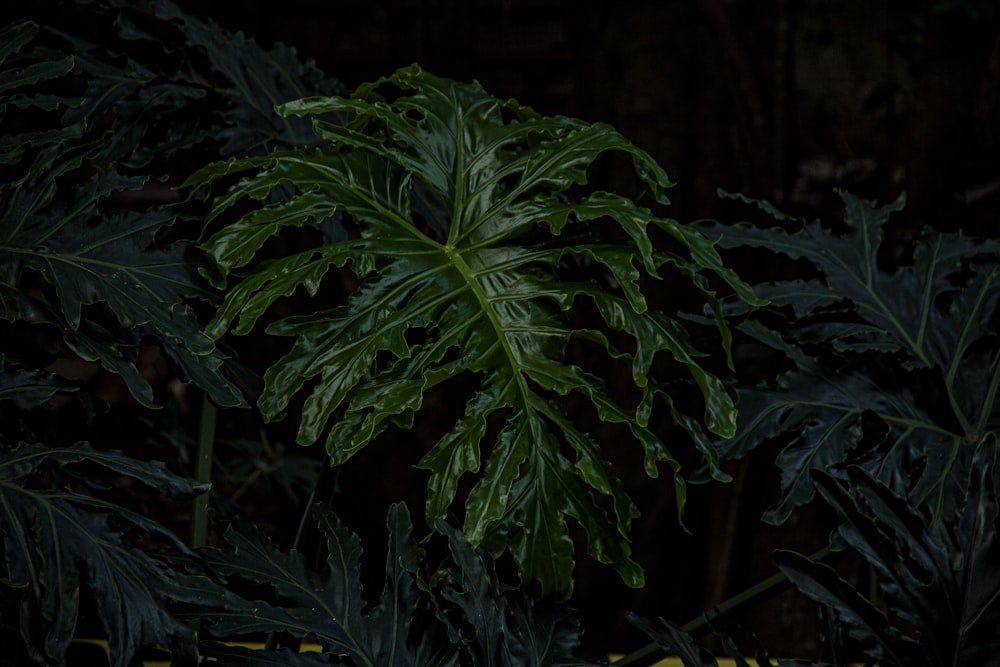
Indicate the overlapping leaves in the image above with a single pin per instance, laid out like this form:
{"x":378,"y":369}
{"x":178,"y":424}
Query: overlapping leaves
{"x":463,"y":219}
{"x":90,"y":128}
{"x":464,"y":620}
{"x":58,"y":542}
{"x":82,"y":110}
{"x":895,"y":369}
{"x":945,"y":585}
{"x":86,"y":258}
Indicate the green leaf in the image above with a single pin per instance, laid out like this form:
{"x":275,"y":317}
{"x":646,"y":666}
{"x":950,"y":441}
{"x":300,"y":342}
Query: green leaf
{"x":328,"y":606}
{"x":466,"y":619}
{"x":28,"y":458}
{"x":89,"y":259}
{"x":904,"y":359}
{"x":58,"y":542}
{"x":463,"y":225}
{"x":940,"y":577}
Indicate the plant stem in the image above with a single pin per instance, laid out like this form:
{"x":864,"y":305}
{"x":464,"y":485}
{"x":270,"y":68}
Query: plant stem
{"x":702,"y":625}
{"x":203,"y":472}
{"x":306,"y":542}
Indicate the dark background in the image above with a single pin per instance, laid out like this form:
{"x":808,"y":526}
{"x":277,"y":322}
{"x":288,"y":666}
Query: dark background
{"x":775,"y":99}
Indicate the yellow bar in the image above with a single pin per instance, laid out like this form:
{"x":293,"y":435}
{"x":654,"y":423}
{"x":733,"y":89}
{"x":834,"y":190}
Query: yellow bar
{"x":676,"y":662}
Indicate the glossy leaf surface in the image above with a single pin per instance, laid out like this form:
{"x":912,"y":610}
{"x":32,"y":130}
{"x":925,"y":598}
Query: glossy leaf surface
{"x":465,"y":229}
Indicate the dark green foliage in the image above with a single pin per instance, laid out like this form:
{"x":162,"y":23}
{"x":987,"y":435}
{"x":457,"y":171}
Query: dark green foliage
{"x":894,"y":369}
{"x":888,"y":409}
{"x":102,"y":107}
{"x":86,"y":258}
{"x":91,"y":127}
{"x":59,"y":544}
{"x":674,"y":641}
{"x":465,"y":234}
{"x":944,"y":584}
{"x":459,"y":617}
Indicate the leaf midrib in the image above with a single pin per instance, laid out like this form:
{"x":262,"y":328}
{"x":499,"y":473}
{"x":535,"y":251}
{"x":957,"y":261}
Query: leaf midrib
{"x":458,"y":261}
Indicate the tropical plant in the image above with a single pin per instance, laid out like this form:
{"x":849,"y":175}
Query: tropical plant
{"x":892,"y":357}
{"x":937,"y":577}
{"x":455,"y":614}
{"x":99,"y":275}
{"x":473,"y":243}
{"x":940,"y":587}
{"x":883,"y":367}
{"x":96,"y":279}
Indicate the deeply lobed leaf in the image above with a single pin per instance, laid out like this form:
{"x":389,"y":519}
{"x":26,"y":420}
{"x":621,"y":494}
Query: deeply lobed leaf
{"x":466,"y":619}
{"x":912,"y":348}
{"x":57,"y":543}
{"x":464,"y":217}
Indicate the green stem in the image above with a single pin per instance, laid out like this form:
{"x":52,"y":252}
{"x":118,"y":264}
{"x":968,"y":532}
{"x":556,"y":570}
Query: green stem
{"x":326,"y":485}
{"x":991,"y":394}
{"x":203,"y":472}
{"x":701,"y":626}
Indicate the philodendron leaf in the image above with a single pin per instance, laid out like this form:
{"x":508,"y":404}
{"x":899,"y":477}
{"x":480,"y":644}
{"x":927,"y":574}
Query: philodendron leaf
{"x":329,"y":606}
{"x":465,"y":620}
{"x":57,"y":543}
{"x":940,"y":578}
{"x":902,"y":359}
{"x":92,"y":258}
{"x":674,"y":641}
{"x":463,"y":211}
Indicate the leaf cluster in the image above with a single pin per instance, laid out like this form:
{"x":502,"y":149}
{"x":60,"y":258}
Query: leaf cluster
{"x":67,"y":550}
{"x":940,"y":587}
{"x":458,"y":616}
{"x":102,"y":106}
{"x":885,"y":403}
{"x":939,"y":582}
{"x":890,"y":355}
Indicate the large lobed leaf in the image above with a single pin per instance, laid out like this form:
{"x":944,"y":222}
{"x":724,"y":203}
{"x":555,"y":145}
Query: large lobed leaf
{"x":465,"y":620}
{"x":71,"y":217}
{"x":903,"y":360}
{"x":58,"y":543}
{"x":464,"y":214}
